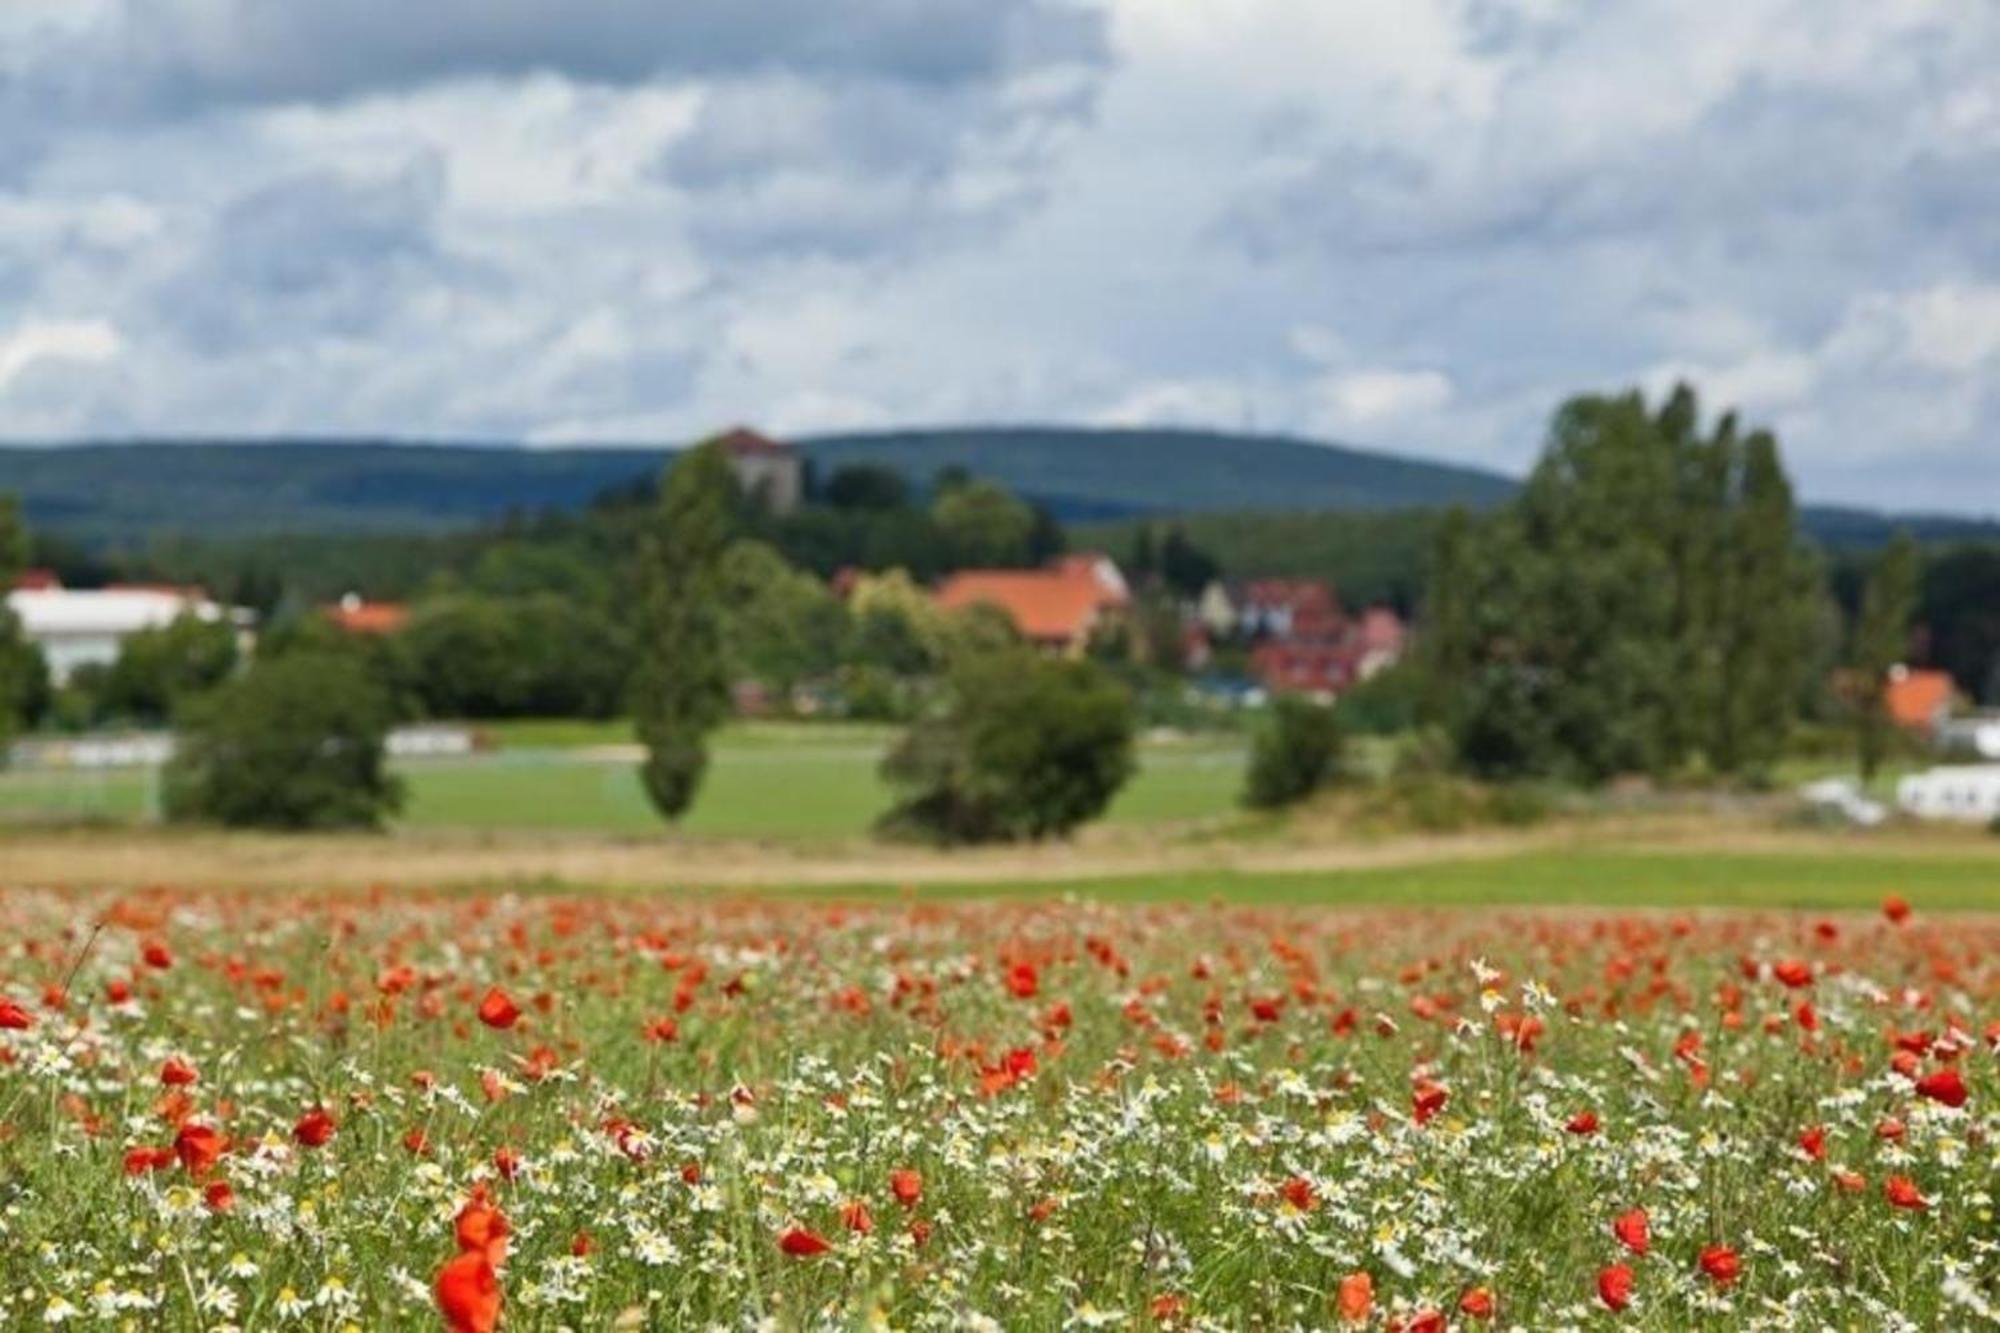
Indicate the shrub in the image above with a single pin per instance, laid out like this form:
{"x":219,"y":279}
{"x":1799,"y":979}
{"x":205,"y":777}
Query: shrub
{"x":1025,"y":748}
{"x":296,"y":742}
{"x":1295,"y":751}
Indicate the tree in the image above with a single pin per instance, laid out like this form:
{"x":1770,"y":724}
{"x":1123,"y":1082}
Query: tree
{"x":783,"y":625}
{"x":1294,"y":752}
{"x":865,"y":486}
{"x":985,"y":524}
{"x":1645,"y":602}
{"x":157,"y":668}
{"x":23,"y":675}
{"x":681,"y":689}
{"x":1881,"y":641}
{"x":295,"y":742}
{"x":1961,"y":612}
{"x":1184,"y":567}
{"x":1025,"y":747}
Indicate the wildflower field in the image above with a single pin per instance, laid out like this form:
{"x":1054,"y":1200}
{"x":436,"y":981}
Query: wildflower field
{"x":572,"y":1112}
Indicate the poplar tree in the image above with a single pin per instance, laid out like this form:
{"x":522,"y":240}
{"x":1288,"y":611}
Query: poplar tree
{"x":681,"y":687}
{"x":1881,"y":638}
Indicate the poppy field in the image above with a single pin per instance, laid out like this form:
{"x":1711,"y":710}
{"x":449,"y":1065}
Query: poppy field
{"x":582,"y":1112}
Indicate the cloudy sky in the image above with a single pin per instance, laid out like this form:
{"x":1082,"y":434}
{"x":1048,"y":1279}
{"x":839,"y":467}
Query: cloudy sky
{"x":1414,"y":224}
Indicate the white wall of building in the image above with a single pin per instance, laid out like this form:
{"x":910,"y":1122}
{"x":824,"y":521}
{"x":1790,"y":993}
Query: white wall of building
{"x":77,"y":627}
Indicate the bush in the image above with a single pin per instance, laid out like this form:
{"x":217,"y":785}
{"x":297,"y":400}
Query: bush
{"x":1026,"y":748}
{"x":1294,"y":753}
{"x":294,"y":743}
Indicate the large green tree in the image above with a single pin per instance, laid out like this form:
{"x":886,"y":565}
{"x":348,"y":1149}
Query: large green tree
{"x":158,"y":668}
{"x":681,"y":687}
{"x":295,"y":742}
{"x":22,"y":675}
{"x":1881,"y":642}
{"x":1644,"y":603}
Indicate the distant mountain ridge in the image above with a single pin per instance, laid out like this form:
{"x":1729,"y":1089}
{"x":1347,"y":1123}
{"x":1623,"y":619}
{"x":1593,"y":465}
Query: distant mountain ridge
{"x":126,"y":492}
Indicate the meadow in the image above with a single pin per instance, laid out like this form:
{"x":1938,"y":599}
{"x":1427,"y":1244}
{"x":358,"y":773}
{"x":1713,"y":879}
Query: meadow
{"x":768,"y":781}
{"x":559,"y":1110}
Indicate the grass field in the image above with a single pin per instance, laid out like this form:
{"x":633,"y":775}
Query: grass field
{"x":775,"y":781}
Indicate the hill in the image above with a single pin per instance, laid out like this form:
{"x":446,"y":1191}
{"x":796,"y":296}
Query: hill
{"x":112,"y":492}
{"x":130,"y":492}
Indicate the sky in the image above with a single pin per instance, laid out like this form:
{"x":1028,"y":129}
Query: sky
{"x":1415,"y":224}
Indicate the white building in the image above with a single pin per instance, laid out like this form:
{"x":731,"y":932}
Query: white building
{"x":1964,"y":792}
{"x":83,"y":626}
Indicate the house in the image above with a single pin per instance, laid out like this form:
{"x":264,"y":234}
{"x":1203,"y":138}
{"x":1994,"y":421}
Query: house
{"x":1917,"y":699}
{"x":1977,"y":735}
{"x":1289,"y":609}
{"x":79,"y":627}
{"x":357,"y":615}
{"x":1968,"y":793}
{"x":768,"y":470}
{"x":1058,"y":608}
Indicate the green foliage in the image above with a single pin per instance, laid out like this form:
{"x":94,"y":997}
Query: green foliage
{"x":1388,"y":703}
{"x":865,"y":486}
{"x":1881,"y":642}
{"x":782,"y":625}
{"x":1027,"y":747}
{"x":985,"y":525}
{"x":295,"y":742}
{"x":681,"y":688}
{"x":1295,"y":751}
{"x":158,"y":668}
{"x":1644,"y":603}
{"x":23,"y":674}
{"x":541,"y":655}
{"x":1960,"y":607}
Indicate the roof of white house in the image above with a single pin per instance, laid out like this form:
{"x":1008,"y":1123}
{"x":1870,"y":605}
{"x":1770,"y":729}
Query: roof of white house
{"x":53,"y":611}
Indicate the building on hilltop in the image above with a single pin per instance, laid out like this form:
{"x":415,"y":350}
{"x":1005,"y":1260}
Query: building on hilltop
{"x":1058,"y":608}
{"x":770,"y":471}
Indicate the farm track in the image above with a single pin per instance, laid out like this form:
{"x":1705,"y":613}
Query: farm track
{"x":133,"y":858}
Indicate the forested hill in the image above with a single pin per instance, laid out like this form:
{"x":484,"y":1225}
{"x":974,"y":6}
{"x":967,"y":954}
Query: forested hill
{"x":128,"y":492}
{"x":119,"y":491}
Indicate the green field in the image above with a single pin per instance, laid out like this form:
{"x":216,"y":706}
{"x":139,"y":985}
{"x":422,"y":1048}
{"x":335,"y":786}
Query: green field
{"x":776,"y":780}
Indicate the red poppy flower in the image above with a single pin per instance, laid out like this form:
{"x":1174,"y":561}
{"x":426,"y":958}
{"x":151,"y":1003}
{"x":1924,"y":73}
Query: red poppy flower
{"x":1427,"y":1100}
{"x":1632,"y":1231}
{"x":1793,"y":972}
{"x":178,"y":1073}
{"x":1902,"y":1192}
{"x":314,"y":1129}
{"x":1812,"y":1142}
{"x":1721,"y":1264}
{"x":1298,"y":1192}
{"x":1583,"y":1122}
{"x":497,"y":1010}
{"x":907,"y":1186}
{"x":1023,"y":981}
{"x":1945,"y":1085}
{"x":803,"y":1244}
{"x":14,"y":1018}
{"x":155,"y":955}
{"x":199,"y":1147}
{"x":481,"y":1228}
{"x":138,"y":1161}
{"x":1356,"y":1298}
{"x":219,"y":1197}
{"x":1477,"y":1303}
{"x":1896,"y":908}
{"x":468,"y":1294}
{"x":854,"y":1215}
{"x":1614,"y":1286}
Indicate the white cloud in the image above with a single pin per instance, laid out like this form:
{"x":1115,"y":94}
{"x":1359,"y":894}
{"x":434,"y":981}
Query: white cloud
{"x":84,"y":340}
{"x":1369,"y":398}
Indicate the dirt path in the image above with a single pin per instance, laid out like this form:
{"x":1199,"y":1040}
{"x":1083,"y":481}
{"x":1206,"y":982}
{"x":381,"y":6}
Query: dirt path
{"x":134,"y":858}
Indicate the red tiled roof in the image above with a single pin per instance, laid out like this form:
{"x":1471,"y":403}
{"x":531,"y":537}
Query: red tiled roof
{"x":1058,"y":604}
{"x":37,"y":580}
{"x":1915,"y":698}
{"x":743,"y":440}
{"x":368,"y":617}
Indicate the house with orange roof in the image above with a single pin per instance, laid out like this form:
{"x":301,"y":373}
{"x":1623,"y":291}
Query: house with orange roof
{"x":1058,"y":608}
{"x":357,"y":615}
{"x":768,"y":470}
{"x":1917,"y":699}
